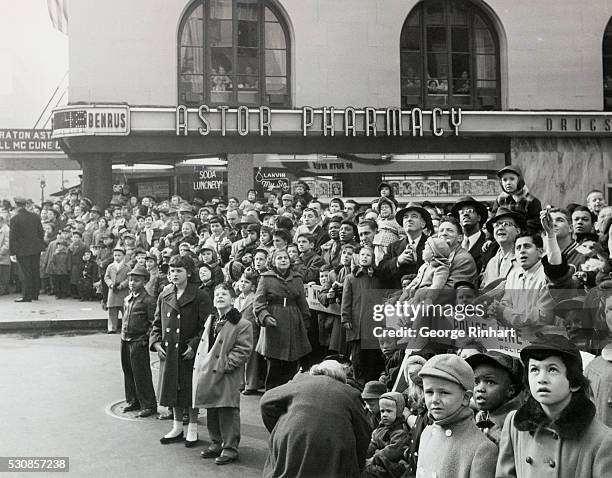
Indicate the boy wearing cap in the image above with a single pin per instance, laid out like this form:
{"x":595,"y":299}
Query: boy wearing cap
{"x":452,"y":445}
{"x":389,"y":439}
{"x":116,"y":278}
{"x":496,"y":390}
{"x":135,"y":361}
{"x":555,"y":433}
{"x":372,"y":392}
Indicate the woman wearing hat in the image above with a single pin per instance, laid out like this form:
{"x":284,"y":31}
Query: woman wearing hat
{"x":182,"y":310}
{"x":281,"y":310}
{"x":555,"y":433}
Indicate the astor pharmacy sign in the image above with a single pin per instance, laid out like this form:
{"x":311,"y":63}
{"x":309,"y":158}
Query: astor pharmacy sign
{"x":329,"y":122}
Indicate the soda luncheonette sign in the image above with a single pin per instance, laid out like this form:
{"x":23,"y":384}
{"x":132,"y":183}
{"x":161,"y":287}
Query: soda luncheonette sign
{"x":28,"y":141}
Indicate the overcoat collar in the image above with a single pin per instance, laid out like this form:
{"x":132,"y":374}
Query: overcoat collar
{"x":169,"y":296}
{"x":572,"y":422}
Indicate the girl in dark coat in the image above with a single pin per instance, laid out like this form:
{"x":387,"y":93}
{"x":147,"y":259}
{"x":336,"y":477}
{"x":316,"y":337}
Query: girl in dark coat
{"x":182,"y":310}
{"x":311,"y":415}
{"x":281,"y":309}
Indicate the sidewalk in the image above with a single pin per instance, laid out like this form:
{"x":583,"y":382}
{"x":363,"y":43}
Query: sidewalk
{"x":49,"y":313}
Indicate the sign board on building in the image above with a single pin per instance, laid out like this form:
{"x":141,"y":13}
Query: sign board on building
{"x":28,"y":141}
{"x":155,"y":189}
{"x":208,"y":182}
{"x":271,"y":179}
{"x":91,"y":120}
{"x":326,"y":121}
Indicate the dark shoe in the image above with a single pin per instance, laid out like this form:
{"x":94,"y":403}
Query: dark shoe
{"x":147,"y":412}
{"x":211,"y":453}
{"x":166,"y":416}
{"x":111,"y":331}
{"x":23,"y":300}
{"x":176,"y":439}
{"x":131,"y":408}
{"x":251,"y":392}
{"x":224,"y":459}
{"x":191,"y":443}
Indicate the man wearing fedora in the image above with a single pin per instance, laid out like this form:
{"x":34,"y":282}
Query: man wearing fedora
{"x":404,"y":257}
{"x":26,"y":241}
{"x":472,"y":215}
{"x":499,"y":259}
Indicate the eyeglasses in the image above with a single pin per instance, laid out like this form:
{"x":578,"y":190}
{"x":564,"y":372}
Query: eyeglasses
{"x":467,"y":210}
{"x":503,"y":224}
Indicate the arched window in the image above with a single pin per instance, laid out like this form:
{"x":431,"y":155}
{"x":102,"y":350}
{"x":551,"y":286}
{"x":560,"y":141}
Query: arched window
{"x":233,"y":52}
{"x":449,"y":57}
{"x":607,"y":67}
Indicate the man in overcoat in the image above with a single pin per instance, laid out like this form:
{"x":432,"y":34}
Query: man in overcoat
{"x":26,"y":241}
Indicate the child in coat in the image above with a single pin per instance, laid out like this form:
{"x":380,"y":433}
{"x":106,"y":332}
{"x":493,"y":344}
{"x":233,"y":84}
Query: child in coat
{"x":89,"y":275}
{"x":356,"y":316}
{"x":516,"y":197}
{"x":331,"y":333}
{"x":116,"y":278}
{"x":388,"y":441}
{"x":555,"y":432}
{"x":433,"y":274}
{"x":497,"y":386}
{"x":452,"y":445}
{"x":218,"y":371}
{"x":59,"y":268}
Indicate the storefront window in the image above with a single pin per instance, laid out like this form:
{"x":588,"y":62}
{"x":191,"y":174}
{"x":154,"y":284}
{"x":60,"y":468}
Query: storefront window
{"x":436,"y":177}
{"x":607,"y":67}
{"x":233,"y":52}
{"x":449,"y":56}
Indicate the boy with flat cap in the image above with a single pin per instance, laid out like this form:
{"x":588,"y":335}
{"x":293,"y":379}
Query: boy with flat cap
{"x":497,"y":385}
{"x":135,"y":361}
{"x":555,"y":433}
{"x":452,"y":445}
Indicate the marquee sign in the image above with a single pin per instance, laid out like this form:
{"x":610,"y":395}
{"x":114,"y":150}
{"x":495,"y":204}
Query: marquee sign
{"x":91,"y":120}
{"x":321,"y":122}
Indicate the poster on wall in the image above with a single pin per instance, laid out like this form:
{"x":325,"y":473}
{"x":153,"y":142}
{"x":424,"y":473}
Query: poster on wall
{"x":209,"y":182}
{"x":271,"y":179}
{"x":155,"y":189}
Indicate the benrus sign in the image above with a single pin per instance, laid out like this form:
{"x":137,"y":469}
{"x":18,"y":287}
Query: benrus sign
{"x":326,"y":121}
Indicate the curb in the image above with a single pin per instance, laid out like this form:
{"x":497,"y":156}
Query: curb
{"x":29,"y":325}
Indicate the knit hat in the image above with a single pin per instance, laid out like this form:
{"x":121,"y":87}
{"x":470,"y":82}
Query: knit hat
{"x":412,"y":367}
{"x":373,"y":390}
{"x":398,"y":398}
{"x":439,"y":247}
{"x":449,"y":367}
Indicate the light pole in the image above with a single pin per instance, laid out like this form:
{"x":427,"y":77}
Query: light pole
{"x":43,"y":185}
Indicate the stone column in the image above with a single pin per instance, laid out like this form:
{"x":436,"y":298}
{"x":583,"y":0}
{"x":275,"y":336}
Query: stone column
{"x":239,"y":174}
{"x":97,"y":182}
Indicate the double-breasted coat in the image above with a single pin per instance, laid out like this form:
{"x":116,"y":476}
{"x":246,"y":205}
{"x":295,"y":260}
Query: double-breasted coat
{"x":282,"y":298}
{"x":178,"y":323}
{"x":577,"y":444}
{"x":218,"y":372}
{"x":117,"y":274}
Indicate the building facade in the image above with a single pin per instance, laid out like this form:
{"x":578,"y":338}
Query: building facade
{"x":432,"y":96}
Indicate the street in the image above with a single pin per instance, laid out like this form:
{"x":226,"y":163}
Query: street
{"x":59,"y":393}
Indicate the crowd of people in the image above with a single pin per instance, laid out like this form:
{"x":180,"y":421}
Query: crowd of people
{"x":217,"y":290}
